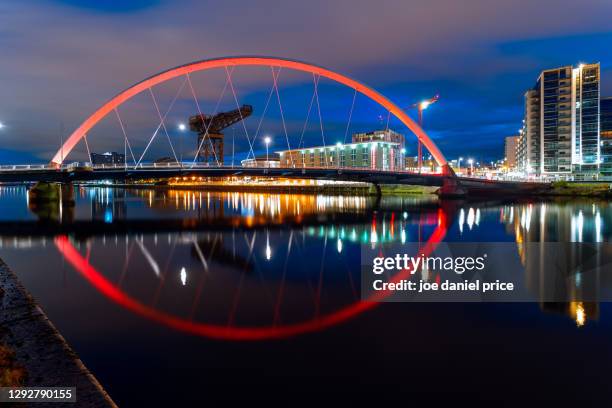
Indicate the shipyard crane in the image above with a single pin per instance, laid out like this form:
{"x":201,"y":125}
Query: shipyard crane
{"x":210,"y":127}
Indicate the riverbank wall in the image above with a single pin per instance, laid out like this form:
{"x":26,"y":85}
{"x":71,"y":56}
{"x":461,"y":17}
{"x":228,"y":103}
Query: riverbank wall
{"x":355,"y":190}
{"x":35,"y":353}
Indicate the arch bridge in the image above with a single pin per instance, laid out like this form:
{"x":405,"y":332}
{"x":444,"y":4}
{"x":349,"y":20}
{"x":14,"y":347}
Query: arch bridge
{"x":56,"y":171}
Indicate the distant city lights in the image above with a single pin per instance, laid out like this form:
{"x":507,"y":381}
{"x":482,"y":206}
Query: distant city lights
{"x":182,"y":127}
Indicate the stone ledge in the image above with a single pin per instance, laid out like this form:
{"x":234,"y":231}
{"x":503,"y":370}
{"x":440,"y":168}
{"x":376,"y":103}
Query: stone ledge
{"x":40,"y":348}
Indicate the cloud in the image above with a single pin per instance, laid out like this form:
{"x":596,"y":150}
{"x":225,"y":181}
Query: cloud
{"x":63,"y":59}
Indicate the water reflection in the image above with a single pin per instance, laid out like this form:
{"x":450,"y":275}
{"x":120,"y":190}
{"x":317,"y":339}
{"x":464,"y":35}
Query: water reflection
{"x":244,"y":265}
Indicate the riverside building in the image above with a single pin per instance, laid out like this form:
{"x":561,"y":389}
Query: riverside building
{"x":560,"y":137}
{"x":510,"y":149}
{"x":379,"y":150}
{"x":606,"y":137}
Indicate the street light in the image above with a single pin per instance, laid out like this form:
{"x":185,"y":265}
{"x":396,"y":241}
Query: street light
{"x":421,"y":106}
{"x":471,"y":163}
{"x":459,"y":164}
{"x":267,"y":141}
{"x":181,"y":127}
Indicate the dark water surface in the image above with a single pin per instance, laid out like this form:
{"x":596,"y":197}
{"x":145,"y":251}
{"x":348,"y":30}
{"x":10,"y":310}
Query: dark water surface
{"x":193,"y":298}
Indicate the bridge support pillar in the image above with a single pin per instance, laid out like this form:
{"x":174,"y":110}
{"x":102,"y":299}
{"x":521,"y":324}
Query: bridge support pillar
{"x":50,"y":192}
{"x":378,"y":190}
{"x":52,"y":201}
{"x":451,"y":187}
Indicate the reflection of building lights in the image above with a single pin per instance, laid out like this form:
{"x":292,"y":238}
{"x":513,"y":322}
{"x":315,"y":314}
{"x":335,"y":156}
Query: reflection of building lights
{"x":183,"y":276}
{"x":461,"y":220}
{"x":339,"y":245}
{"x":268,"y":248}
{"x":268,"y":252}
{"x":470,"y":218}
{"x":598,"y":236}
{"x":580,"y":315}
{"x":576,"y":226}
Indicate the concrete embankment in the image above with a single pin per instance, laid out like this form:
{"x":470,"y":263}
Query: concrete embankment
{"x":36,"y":353}
{"x":360,"y":189}
{"x":581,"y":189}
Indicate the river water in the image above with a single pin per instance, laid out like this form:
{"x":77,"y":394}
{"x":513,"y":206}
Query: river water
{"x":173,"y":296}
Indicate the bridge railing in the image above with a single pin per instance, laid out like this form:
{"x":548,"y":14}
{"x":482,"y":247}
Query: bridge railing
{"x":14,"y":167}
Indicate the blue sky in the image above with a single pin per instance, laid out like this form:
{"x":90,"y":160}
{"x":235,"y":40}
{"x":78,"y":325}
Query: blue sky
{"x":63,"y":58}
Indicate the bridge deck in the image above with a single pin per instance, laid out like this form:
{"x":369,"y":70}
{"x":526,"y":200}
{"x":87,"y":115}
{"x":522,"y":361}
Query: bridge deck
{"x":68,"y":175}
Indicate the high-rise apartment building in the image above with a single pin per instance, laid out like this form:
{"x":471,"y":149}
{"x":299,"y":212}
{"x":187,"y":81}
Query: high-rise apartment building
{"x":606,"y":136}
{"x":560,"y":135}
{"x":510,"y":150}
{"x":528,"y":151}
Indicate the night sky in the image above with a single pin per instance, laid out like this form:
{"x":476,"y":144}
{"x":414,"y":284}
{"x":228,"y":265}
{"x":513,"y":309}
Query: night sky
{"x":61,"y":59}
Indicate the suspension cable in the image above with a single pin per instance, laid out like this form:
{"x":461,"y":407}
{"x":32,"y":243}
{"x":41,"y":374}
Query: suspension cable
{"x":127,"y":141}
{"x":159,"y":126}
{"x":280,"y":106}
{"x":163,"y":124}
{"x":316,"y":79}
{"x":348,"y":124}
{"x":246,"y":132}
{"x":388,"y":118}
{"x":87,"y":147}
{"x":263,"y":113}
{"x":307,"y":118}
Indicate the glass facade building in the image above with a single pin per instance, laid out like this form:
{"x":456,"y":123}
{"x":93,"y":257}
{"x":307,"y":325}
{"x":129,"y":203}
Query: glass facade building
{"x":528,"y":150}
{"x":587,"y":154}
{"x":560,"y":135}
{"x":606,"y":136}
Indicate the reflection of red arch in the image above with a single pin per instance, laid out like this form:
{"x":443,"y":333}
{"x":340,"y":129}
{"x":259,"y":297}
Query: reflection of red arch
{"x":164,"y":76}
{"x":82,"y":265}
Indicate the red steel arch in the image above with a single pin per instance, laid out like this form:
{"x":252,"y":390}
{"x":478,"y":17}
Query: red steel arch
{"x":224,"y":332}
{"x":109,"y":106}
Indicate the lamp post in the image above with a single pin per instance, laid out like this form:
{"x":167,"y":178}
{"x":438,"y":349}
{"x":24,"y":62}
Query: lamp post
{"x":267,"y":141}
{"x":471,"y":163}
{"x":181,"y":127}
{"x":421,"y":106}
{"x":459,"y":164}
